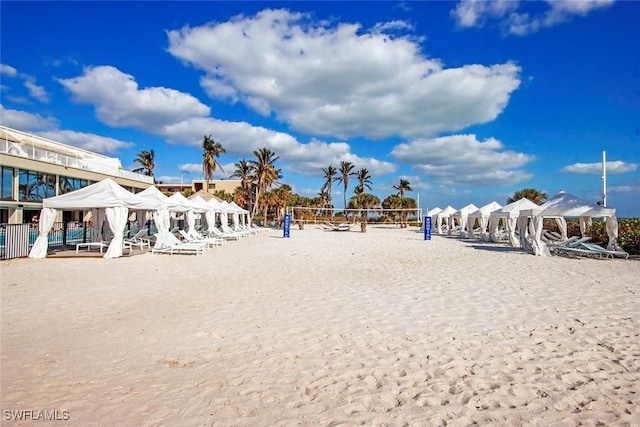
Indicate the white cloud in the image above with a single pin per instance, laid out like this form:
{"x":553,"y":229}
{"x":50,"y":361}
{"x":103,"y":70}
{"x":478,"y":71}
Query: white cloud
{"x":475,"y":13}
{"x":389,"y":26}
{"x":119,"y":102}
{"x":596,"y":168}
{"x":37,"y":92}
{"x":195,"y":168}
{"x":87,"y":141}
{"x":510,"y":16}
{"x":25,"y":121}
{"x":463,"y":160}
{"x":7,"y":70}
{"x":340,"y":80}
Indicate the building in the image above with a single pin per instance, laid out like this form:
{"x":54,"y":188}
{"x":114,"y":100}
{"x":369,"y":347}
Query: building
{"x":34,"y":168}
{"x":227,"y":185}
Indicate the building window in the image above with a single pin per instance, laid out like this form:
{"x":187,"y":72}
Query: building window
{"x":35,"y":186}
{"x":7,"y":183}
{"x":68,"y":184}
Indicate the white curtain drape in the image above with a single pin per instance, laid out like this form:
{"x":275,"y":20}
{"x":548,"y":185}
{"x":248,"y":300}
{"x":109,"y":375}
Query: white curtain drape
{"x":511,"y":229}
{"x":162,"y":219}
{"x":190,"y":220}
{"x":210,"y":215}
{"x":585,"y":224}
{"x":236,"y":221}
{"x":39,"y":248}
{"x":537,"y":245}
{"x":523,"y":223}
{"x":494,"y":223}
{"x":611,"y":223}
{"x":117,"y":219}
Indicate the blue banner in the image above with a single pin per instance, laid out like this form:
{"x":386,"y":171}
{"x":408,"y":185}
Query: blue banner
{"x":427,"y":228}
{"x":287,"y":225}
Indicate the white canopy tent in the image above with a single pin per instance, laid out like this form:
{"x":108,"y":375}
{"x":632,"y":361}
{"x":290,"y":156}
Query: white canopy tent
{"x":165,"y":205}
{"x":185,"y":206}
{"x":462,"y":215}
{"x":445,"y":216}
{"x":510,"y":213}
{"x":483,"y":215}
{"x":244,"y":214}
{"x":201,"y":207}
{"x":433,"y":213}
{"x":105,"y":199}
{"x":235,"y":214}
{"x":216,"y":207}
{"x":564,"y":205}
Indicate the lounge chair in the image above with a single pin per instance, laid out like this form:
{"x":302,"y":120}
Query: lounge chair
{"x":193,"y":237}
{"x":227,"y":236}
{"x":141,"y":238}
{"x":166,"y":244}
{"x":227,"y":230}
{"x":607,"y":253}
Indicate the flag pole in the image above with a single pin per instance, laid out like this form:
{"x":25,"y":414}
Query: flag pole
{"x":604,"y":179}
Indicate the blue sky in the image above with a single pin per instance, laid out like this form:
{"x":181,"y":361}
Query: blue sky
{"x":470,"y":101}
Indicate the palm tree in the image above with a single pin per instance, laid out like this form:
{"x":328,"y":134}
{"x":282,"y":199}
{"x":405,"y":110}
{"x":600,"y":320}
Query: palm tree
{"x":364,"y":181}
{"x":211,"y":150}
{"x":346,"y":170}
{"x":146,"y":160}
{"x":244,"y":171}
{"x":282,"y":196}
{"x":329,"y":173}
{"x":264,"y":172}
{"x":536,"y":196}
{"x":364,"y":202}
{"x":402,"y":187}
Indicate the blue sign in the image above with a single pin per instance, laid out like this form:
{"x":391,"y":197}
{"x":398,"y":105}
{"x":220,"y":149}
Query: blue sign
{"x":287,"y":225}
{"x":427,"y":228}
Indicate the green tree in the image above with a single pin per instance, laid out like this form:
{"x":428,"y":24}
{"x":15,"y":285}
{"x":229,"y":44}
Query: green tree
{"x":265,"y":172}
{"x":329,"y":174}
{"x":346,"y":170}
{"x":536,"y":196}
{"x":364,"y":202}
{"x":244,"y":171}
{"x":402,"y":187}
{"x":146,"y":160}
{"x":364,"y":181}
{"x":211,"y":150}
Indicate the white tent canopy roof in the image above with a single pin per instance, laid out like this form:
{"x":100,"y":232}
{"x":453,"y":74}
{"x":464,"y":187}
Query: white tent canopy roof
{"x":448,"y":211}
{"x":513,"y":209}
{"x":485,"y":210}
{"x":466,"y":210}
{"x":104,"y":194}
{"x":434,"y":212}
{"x":152,"y":194}
{"x":238,"y":208}
{"x":565,"y":204}
{"x":217,"y":207}
{"x":184,"y":203}
{"x":200,"y":205}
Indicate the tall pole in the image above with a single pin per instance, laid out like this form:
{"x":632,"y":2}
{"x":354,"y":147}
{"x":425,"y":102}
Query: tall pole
{"x":604,"y":179}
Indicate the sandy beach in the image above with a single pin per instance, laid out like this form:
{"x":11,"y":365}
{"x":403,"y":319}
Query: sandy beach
{"x":325,"y":328}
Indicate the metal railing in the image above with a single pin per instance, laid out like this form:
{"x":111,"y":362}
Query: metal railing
{"x":16,"y":240}
{"x":85,"y":160}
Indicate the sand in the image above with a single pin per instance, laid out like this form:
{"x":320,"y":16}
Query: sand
{"x":325,"y":328}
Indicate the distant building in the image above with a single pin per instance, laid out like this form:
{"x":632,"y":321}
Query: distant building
{"x":227,"y":185}
{"x":34,"y":168}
